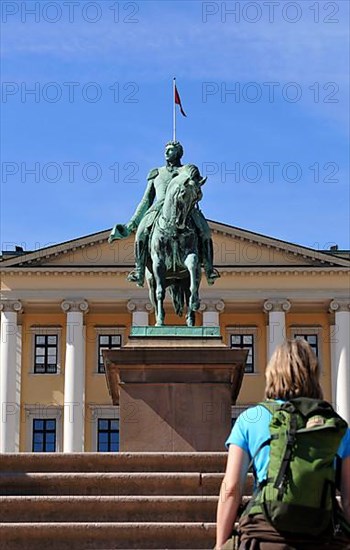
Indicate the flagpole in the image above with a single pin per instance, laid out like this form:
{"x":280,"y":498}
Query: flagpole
{"x":174,"y":110}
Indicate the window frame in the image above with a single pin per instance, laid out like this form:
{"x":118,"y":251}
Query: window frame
{"x":44,"y":431}
{"x":245,"y":330}
{"x":46,"y":346}
{"x":309,"y":330}
{"x":46,"y":331}
{"x":102,"y":412}
{"x":41,"y":411}
{"x":106,"y":331}
{"x":109,"y":432}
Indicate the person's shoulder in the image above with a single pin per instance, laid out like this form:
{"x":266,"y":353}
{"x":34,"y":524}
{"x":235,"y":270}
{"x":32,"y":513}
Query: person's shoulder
{"x":153,"y":173}
{"x":344,"y":449}
{"x":253,"y":415}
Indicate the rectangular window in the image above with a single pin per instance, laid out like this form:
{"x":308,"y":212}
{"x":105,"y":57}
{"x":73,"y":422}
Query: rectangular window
{"x":245,"y":341}
{"x":107,"y":341}
{"x":108,"y":435}
{"x":45,"y":353}
{"x":44,"y":435}
{"x":312,"y":339}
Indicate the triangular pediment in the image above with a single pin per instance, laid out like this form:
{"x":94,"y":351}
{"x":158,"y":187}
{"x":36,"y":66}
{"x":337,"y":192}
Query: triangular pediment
{"x":233,"y":247}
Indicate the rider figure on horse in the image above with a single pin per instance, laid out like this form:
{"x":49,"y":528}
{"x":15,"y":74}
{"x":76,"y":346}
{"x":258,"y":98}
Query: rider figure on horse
{"x":146,"y":213}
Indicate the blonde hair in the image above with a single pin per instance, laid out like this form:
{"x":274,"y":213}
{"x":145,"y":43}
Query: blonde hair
{"x":293,"y":371}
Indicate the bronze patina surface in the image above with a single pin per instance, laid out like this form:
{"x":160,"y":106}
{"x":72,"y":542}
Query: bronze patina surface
{"x":173,"y":239}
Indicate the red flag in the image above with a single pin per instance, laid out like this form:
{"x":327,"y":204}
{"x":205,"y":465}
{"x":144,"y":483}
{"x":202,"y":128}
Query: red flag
{"x":178,"y":101}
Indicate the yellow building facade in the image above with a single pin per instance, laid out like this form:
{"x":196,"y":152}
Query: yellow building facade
{"x":62,"y":305}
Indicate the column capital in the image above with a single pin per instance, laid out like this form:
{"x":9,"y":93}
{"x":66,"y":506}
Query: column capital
{"x":277,"y":304}
{"x":212,"y":305}
{"x":79,"y":305}
{"x":15,"y":306}
{"x":339,"y":304}
{"x":139,"y":304}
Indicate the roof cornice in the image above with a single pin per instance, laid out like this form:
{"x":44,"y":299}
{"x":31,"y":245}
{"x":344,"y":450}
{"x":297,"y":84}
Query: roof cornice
{"x":44,"y":271}
{"x":218,"y":228}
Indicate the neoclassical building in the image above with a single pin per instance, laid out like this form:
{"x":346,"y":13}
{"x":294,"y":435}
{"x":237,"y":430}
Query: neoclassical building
{"x":62,"y":305}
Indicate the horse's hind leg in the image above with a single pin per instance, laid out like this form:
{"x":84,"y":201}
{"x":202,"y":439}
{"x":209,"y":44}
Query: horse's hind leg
{"x":151,"y":289}
{"x":190,"y":318}
{"x":190,"y":315}
{"x":159,"y":278}
{"x":192,"y":264}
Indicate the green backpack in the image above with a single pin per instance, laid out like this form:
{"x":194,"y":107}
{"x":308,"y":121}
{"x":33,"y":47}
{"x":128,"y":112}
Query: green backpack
{"x":298,"y":495}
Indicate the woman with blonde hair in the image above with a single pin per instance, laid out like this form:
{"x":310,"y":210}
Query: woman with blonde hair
{"x":291,"y":374}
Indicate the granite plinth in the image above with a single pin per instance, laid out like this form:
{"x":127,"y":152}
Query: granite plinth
{"x":175,"y":393}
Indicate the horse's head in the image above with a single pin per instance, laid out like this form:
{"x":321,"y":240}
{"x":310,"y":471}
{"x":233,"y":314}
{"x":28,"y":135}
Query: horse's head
{"x":181,"y":196}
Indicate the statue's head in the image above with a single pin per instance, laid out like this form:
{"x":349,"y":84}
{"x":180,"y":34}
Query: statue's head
{"x":173,"y":151}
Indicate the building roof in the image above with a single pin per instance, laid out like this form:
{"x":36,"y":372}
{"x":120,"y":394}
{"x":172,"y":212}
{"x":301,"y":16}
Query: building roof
{"x":287,"y":254}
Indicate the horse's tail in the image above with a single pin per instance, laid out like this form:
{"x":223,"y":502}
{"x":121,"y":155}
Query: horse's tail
{"x":178,"y":297}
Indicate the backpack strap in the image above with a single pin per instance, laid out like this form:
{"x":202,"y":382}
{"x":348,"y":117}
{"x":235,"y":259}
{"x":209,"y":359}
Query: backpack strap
{"x":252,"y":505}
{"x":271,"y":407}
{"x":281,"y":476}
{"x":263,"y":444}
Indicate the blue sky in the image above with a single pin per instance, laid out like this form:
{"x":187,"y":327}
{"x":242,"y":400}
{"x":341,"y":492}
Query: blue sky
{"x":265,"y":90}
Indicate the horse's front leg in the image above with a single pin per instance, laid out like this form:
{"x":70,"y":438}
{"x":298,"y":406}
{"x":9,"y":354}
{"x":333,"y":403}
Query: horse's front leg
{"x":159,"y":278}
{"x":193,"y":266}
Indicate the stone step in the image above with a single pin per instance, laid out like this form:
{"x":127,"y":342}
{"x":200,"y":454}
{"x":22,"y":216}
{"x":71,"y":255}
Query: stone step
{"x":117,"y":500}
{"x":113,"y":509}
{"x":112,"y":462}
{"x":159,"y":483}
{"x":115,"y":484}
{"x":107,"y":536}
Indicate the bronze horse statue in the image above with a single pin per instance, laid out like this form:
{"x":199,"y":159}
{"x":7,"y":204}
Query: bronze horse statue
{"x":172,"y":237}
{"x":174,"y":259}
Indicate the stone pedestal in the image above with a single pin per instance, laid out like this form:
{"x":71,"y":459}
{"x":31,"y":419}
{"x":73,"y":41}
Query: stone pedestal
{"x":174,"y":388}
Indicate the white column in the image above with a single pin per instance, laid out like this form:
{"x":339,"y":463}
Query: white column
{"x":140,"y":312}
{"x":341,"y":366}
{"x":334,"y":369}
{"x":276,"y":330}
{"x":211,"y":312}
{"x":74,"y":377}
{"x":10,"y":361}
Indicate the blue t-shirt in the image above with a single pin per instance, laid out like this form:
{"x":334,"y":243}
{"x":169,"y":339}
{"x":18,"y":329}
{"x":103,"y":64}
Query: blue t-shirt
{"x":252,"y":429}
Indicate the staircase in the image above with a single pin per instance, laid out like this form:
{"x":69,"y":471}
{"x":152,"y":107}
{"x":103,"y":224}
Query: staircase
{"x":109,"y":501}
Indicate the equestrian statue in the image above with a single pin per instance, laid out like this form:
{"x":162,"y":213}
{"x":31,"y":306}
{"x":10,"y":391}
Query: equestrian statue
{"x":173,"y":239}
